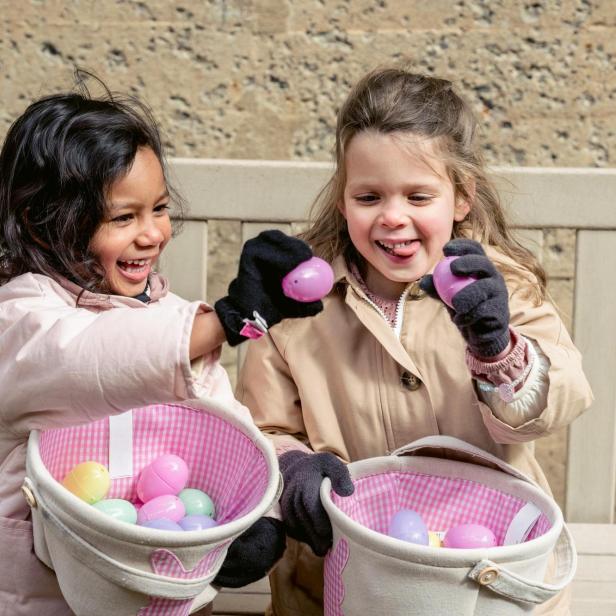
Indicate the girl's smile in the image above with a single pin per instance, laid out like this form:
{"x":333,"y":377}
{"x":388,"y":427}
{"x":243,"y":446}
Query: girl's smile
{"x":399,"y":205}
{"x":130,"y":240}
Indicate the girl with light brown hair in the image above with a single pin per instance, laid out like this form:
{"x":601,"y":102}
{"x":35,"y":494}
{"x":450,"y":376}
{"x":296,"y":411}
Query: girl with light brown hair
{"x":387,"y":362}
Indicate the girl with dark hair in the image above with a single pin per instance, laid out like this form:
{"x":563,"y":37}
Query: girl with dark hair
{"x":87,"y":327}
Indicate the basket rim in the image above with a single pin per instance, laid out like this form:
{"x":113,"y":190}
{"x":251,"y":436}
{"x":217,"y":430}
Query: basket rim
{"x":441,"y":556}
{"x":58,"y":499}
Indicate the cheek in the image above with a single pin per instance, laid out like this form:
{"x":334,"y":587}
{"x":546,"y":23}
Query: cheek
{"x":435,"y":226}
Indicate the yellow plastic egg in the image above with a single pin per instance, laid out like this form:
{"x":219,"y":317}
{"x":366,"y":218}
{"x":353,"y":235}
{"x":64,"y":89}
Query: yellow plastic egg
{"x":89,"y":481}
{"x":434,"y":540}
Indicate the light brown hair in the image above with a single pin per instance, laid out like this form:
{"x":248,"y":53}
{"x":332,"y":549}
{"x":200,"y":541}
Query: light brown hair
{"x":393,"y":100}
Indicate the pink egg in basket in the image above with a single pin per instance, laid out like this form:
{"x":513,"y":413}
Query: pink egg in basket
{"x":167,"y":506}
{"x":309,"y":281}
{"x":469,"y":536}
{"x":167,"y":474}
{"x":447,"y":284}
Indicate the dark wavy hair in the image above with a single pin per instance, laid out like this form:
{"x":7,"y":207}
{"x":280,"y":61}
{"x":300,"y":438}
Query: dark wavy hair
{"x":57,"y":165}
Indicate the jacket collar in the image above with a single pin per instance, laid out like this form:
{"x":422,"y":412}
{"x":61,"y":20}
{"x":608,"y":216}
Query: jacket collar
{"x":159,"y":287}
{"x":343,"y":274}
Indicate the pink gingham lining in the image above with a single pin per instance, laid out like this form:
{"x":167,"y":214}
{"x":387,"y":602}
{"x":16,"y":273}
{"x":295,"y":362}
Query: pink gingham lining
{"x":333,"y":592}
{"x":442,"y":502}
{"x":165,"y":562}
{"x":222,"y":461}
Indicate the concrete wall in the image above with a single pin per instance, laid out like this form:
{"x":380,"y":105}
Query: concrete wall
{"x":262,"y":79}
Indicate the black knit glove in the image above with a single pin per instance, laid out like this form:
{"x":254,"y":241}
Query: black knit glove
{"x":303,"y":514}
{"x":481,"y":310}
{"x":252,"y":554}
{"x":264,"y":262}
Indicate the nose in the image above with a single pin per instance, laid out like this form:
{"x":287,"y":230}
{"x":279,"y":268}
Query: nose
{"x":395,"y":213}
{"x":150,"y":234}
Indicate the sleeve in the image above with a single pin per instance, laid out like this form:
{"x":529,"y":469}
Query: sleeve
{"x":528,"y":401}
{"x":62,"y":364}
{"x":556,"y":391}
{"x":266,"y":387}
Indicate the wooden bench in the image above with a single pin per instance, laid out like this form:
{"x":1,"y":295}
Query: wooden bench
{"x":266,"y":194}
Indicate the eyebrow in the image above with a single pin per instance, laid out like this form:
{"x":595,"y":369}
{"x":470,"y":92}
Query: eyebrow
{"x":130,"y":203}
{"x":367,"y":185}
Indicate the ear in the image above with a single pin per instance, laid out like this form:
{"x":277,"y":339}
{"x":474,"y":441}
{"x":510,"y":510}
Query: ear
{"x":341,"y":208}
{"x":464,"y":202}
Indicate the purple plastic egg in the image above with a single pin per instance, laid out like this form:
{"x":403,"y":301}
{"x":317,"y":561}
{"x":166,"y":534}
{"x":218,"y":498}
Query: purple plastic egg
{"x":162,"y":524}
{"x":448,"y":284}
{"x":166,"y":506}
{"x":309,"y":281}
{"x":197,"y":522}
{"x":167,"y":474}
{"x":407,"y":525}
{"x":469,"y":536}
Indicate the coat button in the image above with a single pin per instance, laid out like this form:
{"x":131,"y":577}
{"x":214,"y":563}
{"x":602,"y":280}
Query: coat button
{"x":409,"y":381}
{"x":487,"y":576}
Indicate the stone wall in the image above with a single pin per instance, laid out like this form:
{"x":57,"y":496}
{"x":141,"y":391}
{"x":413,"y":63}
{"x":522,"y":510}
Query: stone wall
{"x":262,"y":79}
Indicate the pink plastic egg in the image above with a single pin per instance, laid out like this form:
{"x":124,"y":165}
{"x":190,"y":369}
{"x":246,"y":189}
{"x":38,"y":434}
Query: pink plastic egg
{"x":167,"y":474}
{"x":309,"y":281}
{"x":407,"y":525}
{"x":167,"y":506}
{"x":448,"y":284}
{"x":469,"y":536}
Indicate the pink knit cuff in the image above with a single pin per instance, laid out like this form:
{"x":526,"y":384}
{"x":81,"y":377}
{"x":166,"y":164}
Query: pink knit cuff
{"x":505,"y":370}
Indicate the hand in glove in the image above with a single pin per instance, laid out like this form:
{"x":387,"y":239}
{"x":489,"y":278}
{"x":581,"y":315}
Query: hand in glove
{"x":264,"y":262}
{"x":252,"y":554}
{"x":303,"y":514}
{"x":481,"y":310}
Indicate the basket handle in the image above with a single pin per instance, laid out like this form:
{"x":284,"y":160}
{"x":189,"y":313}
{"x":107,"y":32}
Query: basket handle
{"x":465,"y":451}
{"x":131,"y":578}
{"x":494,"y":577}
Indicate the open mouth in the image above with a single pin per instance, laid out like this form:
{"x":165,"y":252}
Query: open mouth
{"x":135,"y":269}
{"x":403,"y":249}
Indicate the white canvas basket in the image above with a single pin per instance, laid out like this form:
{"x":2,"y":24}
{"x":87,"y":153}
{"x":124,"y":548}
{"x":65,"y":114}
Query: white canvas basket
{"x":105,"y":566}
{"x":448,"y":482}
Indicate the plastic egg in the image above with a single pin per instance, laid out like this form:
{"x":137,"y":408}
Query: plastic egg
{"x":166,"y":474}
{"x":407,"y":525}
{"x":118,"y":509}
{"x":166,"y":506}
{"x":89,"y":481}
{"x":434,"y":540}
{"x":447,"y":284}
{"x":162,"y":524}
{"x":197,"y":522}
{"x":309,"y":281}
{"x":197,"y":502}
{"x":469,"y":536}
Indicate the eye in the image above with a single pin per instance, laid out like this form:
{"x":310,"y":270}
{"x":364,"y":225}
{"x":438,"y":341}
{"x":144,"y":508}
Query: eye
{"x":161,"y":208}
{"x":367,"y":199}
{"x":123,"y":218}
{"x":420,"y":198}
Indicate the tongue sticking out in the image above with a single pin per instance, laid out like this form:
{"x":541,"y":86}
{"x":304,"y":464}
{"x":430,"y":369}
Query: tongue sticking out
{"x":407,"y":250}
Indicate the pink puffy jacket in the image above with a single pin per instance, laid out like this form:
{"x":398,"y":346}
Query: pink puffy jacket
{"x":68,"y":359}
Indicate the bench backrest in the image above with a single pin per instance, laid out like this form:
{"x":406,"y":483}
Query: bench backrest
{"x":266,"y":194}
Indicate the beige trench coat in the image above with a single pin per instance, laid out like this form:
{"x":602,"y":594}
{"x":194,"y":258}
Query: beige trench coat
{"x":343,"y":382}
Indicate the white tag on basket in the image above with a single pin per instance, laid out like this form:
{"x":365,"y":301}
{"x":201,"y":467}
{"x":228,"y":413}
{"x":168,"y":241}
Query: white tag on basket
{"x":121,"y":445}
{"x":521,"y":524}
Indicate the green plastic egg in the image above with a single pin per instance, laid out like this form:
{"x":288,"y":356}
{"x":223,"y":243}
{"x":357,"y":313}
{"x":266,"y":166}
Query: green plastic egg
{"x":197,"y":502}
{"x":118,"y":509}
